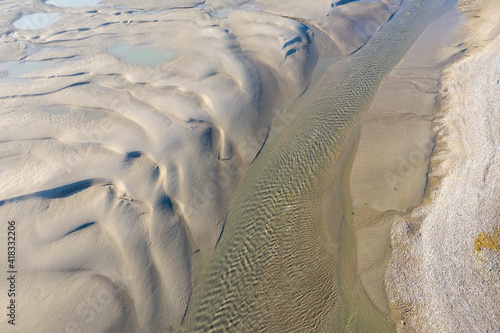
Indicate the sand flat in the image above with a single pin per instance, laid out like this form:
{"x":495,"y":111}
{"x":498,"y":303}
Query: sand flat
{"x":446,"y":284}
{"x":120,"y":172}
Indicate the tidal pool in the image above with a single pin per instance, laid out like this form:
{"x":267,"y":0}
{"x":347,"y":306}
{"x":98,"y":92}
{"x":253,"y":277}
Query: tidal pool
{"x":16,"y":69}
{"x":25,"y":69}
{"x":72,"y":3}
{"x":143,"y":55}
{"x":36,"y":21}
{"x":18,"y":72}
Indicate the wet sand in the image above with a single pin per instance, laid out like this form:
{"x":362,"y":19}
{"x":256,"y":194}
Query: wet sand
{"x":389,"y":172}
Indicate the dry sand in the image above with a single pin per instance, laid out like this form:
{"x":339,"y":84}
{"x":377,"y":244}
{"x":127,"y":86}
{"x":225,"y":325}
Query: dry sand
{"x":436,"y":278}
{"x":118,"y":168}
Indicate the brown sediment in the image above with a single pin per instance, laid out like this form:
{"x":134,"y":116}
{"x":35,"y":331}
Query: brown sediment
{"x":488,"y":240}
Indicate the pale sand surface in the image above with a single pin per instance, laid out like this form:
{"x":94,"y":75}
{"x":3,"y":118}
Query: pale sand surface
{"x":436,"y":278}
{"x":118,"y":170}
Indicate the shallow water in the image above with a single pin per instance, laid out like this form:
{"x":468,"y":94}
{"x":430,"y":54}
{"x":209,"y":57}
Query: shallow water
{"x":36,"y":21}
{"x":143,"y":55}
{"x":73,"y":3}
{"x":18,"y":72}
{"x":271,"y":270}
{"x":16,"y":69}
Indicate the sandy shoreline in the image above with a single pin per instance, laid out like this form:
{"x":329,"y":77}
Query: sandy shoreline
{"x":389,"y":173}
{"x":436,"y":278}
